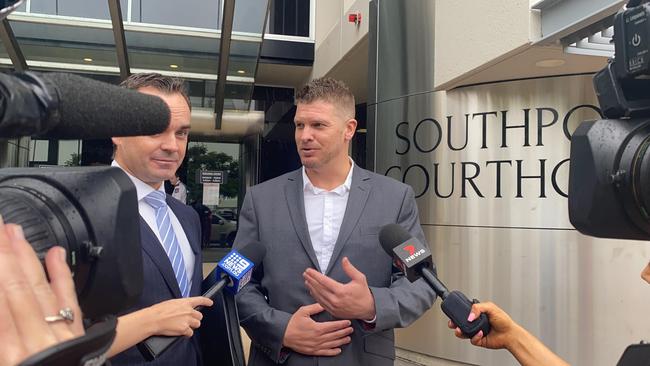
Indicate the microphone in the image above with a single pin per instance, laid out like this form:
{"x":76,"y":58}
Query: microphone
{"x":233,"y":272}
{"x":415,"y":261}
{"x":65,"y":106}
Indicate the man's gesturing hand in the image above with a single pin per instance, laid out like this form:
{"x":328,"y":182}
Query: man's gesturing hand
{"x":306,"y":336}
{"x":352,"y":300}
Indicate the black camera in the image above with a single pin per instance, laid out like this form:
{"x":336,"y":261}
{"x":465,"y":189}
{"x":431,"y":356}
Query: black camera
{"x":609,"y":179}
{"x":91,"y":212}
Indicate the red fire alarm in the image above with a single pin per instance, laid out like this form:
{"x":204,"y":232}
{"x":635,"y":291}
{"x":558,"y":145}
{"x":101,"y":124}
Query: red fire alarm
{"x":354,"y":18}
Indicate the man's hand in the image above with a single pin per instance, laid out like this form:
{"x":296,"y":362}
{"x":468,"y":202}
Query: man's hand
{"x":306,"y":336}
{"x":352,"y":300}
{"x":26,"y":298}
{"x":503,"y":329}
{"x":177,"y":317}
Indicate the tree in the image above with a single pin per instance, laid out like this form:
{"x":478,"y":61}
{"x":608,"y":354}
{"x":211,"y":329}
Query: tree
{"x":75,"y":160}
{"x":200,"y":159}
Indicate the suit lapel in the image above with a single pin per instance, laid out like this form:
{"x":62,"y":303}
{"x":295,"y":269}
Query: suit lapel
{"x":152,"y":247}
{"x":359,"y":191}
{"x":296,"y":202}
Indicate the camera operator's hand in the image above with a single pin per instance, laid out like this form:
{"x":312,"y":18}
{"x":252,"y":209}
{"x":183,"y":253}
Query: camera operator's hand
{"x":175,"y":317}
{"x":27,"y":298}
{"x":505,"y":333}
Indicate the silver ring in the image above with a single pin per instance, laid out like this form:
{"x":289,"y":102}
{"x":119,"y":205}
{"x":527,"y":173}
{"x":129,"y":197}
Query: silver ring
{"x":64,"y":314}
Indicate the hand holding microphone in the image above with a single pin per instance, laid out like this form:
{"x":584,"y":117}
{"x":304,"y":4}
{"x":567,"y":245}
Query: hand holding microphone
{"x":414,"y":259}
{"x":232,"y":273}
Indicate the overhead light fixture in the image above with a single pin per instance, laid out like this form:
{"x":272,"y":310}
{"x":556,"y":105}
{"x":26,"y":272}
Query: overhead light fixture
{"x":362,"y":130}
{"x":88,"y":59}
{"x":552,"y":62}
{"x":173,"y":66}
{"x":241,"y":71}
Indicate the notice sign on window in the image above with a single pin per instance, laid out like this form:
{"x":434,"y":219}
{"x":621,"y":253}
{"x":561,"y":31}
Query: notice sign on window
{"x":210,"y":176}
{"x":211,"y":194}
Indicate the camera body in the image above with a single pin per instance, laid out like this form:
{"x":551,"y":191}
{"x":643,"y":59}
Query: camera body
{"x":93,"y":213}
{"x":609,"y":179}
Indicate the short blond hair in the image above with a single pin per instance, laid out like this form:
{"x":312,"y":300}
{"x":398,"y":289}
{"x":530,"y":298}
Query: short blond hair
{"x":329,"y":90}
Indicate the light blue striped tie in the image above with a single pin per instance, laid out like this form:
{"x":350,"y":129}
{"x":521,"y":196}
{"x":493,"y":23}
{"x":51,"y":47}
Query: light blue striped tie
{"x":156,"y":200}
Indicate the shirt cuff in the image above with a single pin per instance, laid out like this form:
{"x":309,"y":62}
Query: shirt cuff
{"x":371,"y":321}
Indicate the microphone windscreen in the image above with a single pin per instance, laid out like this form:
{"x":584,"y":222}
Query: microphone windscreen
{"x":254,"y":252}
{"x":91,"y":109}
{"x":392,"y":235}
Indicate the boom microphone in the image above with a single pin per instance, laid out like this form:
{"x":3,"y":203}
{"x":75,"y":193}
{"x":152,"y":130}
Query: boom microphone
{"x":233,"y":272}
{"x":414,"y":259}
{"x":65,"y":106}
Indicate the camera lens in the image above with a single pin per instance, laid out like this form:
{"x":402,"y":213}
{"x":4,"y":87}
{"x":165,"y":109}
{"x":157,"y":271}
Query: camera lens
{"x":48,"y":218}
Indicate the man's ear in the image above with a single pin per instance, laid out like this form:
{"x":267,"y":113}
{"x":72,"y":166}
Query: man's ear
{"x":350,"y":128}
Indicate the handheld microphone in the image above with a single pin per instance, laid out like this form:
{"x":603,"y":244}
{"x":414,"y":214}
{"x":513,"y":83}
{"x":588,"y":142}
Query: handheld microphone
{"x":415,"y":260}
{"x":233,"y":272}
{"x":65,"y":106}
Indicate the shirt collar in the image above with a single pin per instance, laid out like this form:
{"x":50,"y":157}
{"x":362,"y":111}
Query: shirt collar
{"x":142,"y":188}
{"x":308,"y":186}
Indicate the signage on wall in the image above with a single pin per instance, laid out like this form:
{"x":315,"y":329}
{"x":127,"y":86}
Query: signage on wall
{"x":495,"y":154}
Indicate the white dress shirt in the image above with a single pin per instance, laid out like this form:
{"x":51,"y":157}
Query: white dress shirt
{"x":149,"y":215}
{"x":324,"y":211}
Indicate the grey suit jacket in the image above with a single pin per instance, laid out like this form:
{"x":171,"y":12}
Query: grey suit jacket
{"x":274,"y":214}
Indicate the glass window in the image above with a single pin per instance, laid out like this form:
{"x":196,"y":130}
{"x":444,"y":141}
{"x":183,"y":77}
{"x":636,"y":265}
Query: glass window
{"x":54,"y":152}
{"x":289,"y":17}
{"x":212,"y":156}
{"x":187,"y":13}
{"x":95,"y":9}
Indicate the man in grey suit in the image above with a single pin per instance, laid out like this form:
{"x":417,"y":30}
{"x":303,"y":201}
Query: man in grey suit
{"x":326,"y":293}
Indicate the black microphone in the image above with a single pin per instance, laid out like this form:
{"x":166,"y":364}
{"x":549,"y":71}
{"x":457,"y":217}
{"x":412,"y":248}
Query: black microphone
{"x":233,"y":272}
{"x":65,"y":106}
{"x":415,"y":260}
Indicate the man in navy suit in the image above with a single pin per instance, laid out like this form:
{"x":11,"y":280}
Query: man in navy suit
{"x":170,"y":235}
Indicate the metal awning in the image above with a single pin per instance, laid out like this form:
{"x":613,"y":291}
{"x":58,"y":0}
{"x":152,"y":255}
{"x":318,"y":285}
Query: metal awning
{"x":115,"y":46}
{"x":597,"y":44}
{"x":567,"y":18}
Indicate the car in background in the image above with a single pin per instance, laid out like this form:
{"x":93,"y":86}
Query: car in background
{"x":223,"y":231}
{"x":227,"y":214}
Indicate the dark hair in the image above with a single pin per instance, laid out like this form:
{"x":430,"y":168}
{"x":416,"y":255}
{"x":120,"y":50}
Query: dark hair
{"x":166,"y":84}
{"x":329,"y":90}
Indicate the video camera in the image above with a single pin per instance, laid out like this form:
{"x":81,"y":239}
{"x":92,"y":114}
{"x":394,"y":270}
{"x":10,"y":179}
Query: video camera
{"x":91,"y":212}
{"x":609,"y":179}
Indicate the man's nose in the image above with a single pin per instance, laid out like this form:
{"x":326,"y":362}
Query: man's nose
{"x":169,"y":142}
{"x":306,"y":134}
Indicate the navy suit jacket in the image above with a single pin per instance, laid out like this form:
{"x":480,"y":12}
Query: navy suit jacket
{"x":160,"y":284}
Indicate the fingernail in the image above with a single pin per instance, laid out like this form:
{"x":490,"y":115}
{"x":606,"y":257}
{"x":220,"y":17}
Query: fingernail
{"x":18,"y":232}
{"x":62,"y":255}
{"x":480,"y":334}
{"x":471,"y":317}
